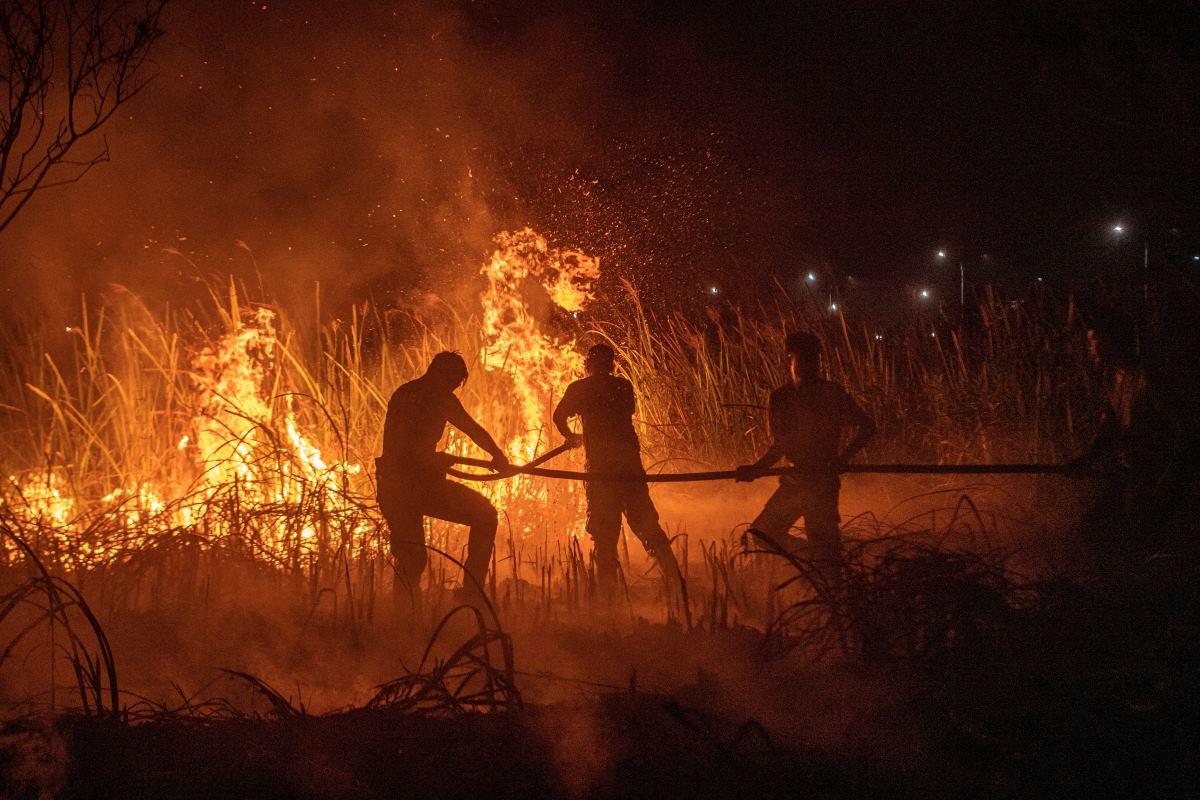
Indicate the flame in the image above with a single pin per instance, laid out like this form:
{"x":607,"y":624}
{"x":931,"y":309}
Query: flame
{"x":44,"y":498}
{"x":524,"y":269}
{"x":253,"y":474}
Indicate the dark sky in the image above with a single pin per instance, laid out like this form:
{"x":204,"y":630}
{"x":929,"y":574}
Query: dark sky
{"x":376,"y":150}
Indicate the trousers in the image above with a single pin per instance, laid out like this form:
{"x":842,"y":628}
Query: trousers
{"x":607,"y":502}
{"x":405,"y":502}
{"x":815,"y":498}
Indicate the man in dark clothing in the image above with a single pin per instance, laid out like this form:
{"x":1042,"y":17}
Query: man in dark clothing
{"x":1140,"y":442}
{"x":411,"y":475}
{"x":809,"y":419}
{"x":605,"y":403}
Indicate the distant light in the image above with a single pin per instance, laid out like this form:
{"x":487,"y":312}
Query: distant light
{"x":934,"y":334}
{"x":575,"y":314}
{"x":1039,"y":280}
{"x":1195,"y":258}
{"x":941,"y":253}
{"x":833,"y":307}
{"x":924,"y":294}
{"x":1118,"y":229}
{"x":878,"y":336}
{"x":712,"y":290}
{"x":810,"y":277}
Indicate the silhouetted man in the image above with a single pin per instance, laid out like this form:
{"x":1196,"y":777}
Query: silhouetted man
{"x":605,"y":403}
{"x":1140,"y":441}
{"x":412,"y":481}
{"x":809,"y":418}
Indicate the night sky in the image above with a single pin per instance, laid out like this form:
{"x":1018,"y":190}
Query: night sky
{"x":377,"y":150}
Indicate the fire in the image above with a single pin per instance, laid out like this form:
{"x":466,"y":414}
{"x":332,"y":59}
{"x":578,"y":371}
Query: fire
{"x":242,"y":440}
{"x":44,"y":499}
{"x":230,"y":377}
{"x":525,"y":270}
{"x":247,"y":470}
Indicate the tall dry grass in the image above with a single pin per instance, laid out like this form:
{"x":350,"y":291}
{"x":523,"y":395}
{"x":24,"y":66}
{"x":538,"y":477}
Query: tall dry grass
{"x":103,"y":407}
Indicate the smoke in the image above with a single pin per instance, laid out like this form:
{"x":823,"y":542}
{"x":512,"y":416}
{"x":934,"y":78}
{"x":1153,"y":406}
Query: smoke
{"x":377,"y":152}
{"x":296,"y":145}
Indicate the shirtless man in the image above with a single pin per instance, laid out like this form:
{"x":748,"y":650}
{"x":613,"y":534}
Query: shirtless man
{"x":412,"y":481}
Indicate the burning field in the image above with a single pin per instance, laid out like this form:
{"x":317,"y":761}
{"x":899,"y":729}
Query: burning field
{"x":193,"y":552}
{"x":941,"y":260}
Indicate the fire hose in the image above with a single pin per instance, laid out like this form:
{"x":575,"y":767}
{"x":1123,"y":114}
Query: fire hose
{"x":534,"y":469}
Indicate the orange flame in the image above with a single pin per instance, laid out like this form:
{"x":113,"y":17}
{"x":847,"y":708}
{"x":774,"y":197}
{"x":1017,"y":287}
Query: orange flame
{"x":522,"y":273}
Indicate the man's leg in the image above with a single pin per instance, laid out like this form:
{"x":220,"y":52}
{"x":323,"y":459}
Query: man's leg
{"x":822,"y":525}
{"x":406,"y":531}
{"x":770,"y":528}
{"x":454,"y":502}
{"x":643,"y":521}
{"x":604,"y":526}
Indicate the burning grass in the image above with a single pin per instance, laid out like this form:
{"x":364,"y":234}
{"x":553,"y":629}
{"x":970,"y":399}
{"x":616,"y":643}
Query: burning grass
{"x":161,"y":458}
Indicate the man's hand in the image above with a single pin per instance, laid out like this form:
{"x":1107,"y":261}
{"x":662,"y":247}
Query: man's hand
{"x":500,"y":463}
{"x":748,"y":472}
{"x":573,"y":440}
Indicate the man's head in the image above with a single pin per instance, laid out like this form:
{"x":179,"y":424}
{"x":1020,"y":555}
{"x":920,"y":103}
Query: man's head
{"x":804,"y":355}
{"x":447,"y":369}
{"x":599,"y":360}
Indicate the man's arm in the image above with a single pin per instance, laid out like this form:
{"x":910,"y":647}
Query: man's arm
{"x":562,"y":415}
{"x":864,"y":430}
{"x":459,"y":418}
{"x":775,"y":427}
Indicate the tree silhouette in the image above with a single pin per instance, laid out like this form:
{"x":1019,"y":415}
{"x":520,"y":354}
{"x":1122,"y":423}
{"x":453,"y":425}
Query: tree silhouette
{"x":65,"y":69}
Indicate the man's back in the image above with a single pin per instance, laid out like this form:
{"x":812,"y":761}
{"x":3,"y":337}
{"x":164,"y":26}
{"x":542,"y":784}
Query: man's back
{"x":809,"y":419}
{"x":606,"y":405}
{"x":416,"y":419}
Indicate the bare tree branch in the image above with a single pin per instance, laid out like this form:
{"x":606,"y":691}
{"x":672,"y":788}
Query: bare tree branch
{"x":66,"y":66}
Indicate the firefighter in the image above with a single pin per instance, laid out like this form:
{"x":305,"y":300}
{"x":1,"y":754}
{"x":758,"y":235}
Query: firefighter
{"x":810,"y":418}
{"x":605,"y":404}
{"x":412,"y":482}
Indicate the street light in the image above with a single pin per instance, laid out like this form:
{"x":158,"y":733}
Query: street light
{"x":962,"y":278}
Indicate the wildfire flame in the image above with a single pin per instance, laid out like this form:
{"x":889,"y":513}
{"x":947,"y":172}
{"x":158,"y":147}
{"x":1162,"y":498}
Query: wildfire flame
{"x":258,"y":477}
{"x":524,"y":272}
